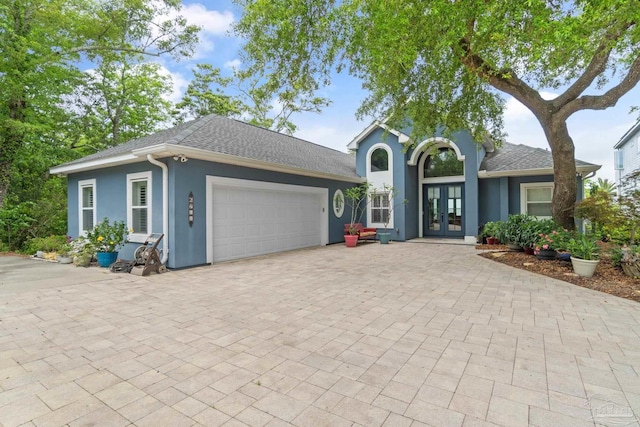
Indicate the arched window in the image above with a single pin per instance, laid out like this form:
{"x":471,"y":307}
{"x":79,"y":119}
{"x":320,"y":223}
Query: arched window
{"x":444,"y":163}
{"x":379,"y":160}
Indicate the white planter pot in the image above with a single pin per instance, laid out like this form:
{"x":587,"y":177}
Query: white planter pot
{"x":584,"y":267}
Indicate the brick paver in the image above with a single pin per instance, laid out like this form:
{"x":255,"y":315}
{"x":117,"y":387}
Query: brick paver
{"x":407,"y":334}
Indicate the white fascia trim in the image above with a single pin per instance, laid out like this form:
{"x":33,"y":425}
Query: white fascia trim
{"x":627,"y":135}
{"x":532,"y":172}
{"x":196,"y":153}
{"x":166,"y":150}
{"x":95,"y":164}
{"x":438,"y":142}
{"x":355,"y":143}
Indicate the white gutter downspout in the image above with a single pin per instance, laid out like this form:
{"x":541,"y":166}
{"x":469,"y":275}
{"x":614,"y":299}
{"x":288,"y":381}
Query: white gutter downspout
{"x":165,"y":206}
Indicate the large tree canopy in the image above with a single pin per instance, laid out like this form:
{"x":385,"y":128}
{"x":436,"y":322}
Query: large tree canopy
{"x":43,"y":43}
{"x":244,"y":95}
{"x":444,"y":62}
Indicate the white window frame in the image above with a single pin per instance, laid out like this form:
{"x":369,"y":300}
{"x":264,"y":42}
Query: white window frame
{"x":82,"y":185}
{"x":523,"y":194}
{"x":370,"y":222}
{"x":136,"y":177}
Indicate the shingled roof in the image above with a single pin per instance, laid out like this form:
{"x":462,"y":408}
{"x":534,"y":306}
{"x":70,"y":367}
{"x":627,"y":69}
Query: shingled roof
{"x":230,"y":137}
{"x":518,"y":157}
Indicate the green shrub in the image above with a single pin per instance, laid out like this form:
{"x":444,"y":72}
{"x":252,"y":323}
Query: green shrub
{"x":584,"y":247}
{"x":45,"y":244}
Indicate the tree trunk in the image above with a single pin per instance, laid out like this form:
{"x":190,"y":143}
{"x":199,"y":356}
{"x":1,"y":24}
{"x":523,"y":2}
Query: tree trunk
{"x":564,"y":172}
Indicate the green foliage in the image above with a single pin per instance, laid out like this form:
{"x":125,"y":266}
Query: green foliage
{"x":442,"y":64}
{"x":243,"y":96}
{"x":513,"y":228}
{"x":553,"y":241}
{"x":43,"y":45}
{"x":601,"y":211}
{"x":119,"y":101}
{"x":630,"y":203}
{"x":46,"y":244}
{"x":43,"y":213}
{"x":357,"y":199}
{"x":108,"y":237}
{"x":584,"y":246}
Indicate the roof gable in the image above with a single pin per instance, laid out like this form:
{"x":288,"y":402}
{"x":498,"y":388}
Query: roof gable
{"x":628,"y":135}
{"x":231,"y":139}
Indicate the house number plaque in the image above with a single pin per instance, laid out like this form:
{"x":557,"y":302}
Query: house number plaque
{"x":190,"y":209}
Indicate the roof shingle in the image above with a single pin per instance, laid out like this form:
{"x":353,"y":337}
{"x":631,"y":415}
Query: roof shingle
{"x":232,"y":137}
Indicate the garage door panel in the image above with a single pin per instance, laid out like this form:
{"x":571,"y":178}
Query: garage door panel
{"x":249,"y":222}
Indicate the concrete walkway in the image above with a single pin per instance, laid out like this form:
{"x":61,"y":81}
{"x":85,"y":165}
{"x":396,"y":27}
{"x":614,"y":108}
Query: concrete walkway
{"x":397,"y":335}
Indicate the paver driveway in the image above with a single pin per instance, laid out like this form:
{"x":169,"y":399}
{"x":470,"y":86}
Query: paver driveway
{"x":405,"y":334}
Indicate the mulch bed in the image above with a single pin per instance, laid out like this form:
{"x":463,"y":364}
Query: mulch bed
{"x":607,"y":278}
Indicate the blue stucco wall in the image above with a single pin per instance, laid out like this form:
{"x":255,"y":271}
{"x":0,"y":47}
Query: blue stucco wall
{"x":514,"y":189}
{"x":111,"y":198}
{"x":412,"y":214}
{"x":473,"y":153}
{"x":187,"y":244}
{"x":401,"y":211}
{"x":500,"y":197}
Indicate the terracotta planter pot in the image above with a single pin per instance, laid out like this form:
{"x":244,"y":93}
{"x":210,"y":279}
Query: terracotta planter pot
{"x":351,"y":241}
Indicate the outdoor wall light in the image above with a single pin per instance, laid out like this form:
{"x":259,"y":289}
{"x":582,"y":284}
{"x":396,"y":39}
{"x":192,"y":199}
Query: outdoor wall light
{"x":181,"y":157}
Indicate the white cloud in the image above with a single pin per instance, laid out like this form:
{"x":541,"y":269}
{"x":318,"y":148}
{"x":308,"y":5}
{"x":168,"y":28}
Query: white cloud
{"x":233,"y":64}
{"x":179,"y":83}
{"x":515,"y":110}
{"x":212,"y":22}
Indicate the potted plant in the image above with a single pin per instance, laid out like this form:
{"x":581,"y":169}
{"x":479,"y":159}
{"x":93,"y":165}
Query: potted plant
{"x":391,"y":193}
{"x":64,"y":254}
{"x":585,"y":254}
{"x":547,"y":246}
{"x":356,"y":198}
{"x":107,"y":238}
{"x":489,"y":232}
{"x":514,"y":231}
{"x":82,"y":251}
{"x":500,"y":232}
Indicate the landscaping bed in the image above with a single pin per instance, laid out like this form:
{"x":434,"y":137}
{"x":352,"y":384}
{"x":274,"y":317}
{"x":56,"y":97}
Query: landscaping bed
{"x":607,"y":278}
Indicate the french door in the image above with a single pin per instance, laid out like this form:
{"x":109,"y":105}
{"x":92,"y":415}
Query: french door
{"x":443,"y":210}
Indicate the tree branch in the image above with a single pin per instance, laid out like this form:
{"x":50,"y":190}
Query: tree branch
{"x":607,"y":99}
{"x":597,"y":66}
{"x":504,"y":80}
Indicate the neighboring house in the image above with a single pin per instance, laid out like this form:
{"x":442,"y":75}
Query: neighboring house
{"x":453,"y":186}
{"x":221,"y":189}
{"x":627,"y":154}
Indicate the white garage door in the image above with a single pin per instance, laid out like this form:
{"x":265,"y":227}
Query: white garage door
{"x":250,"y":218}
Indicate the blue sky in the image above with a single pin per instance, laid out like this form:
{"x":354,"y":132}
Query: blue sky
{"x":594,"y":132}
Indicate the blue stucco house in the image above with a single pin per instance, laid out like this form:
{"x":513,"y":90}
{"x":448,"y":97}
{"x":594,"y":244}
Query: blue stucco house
{"x":220,"y":189}
{"x":453,"y":186}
